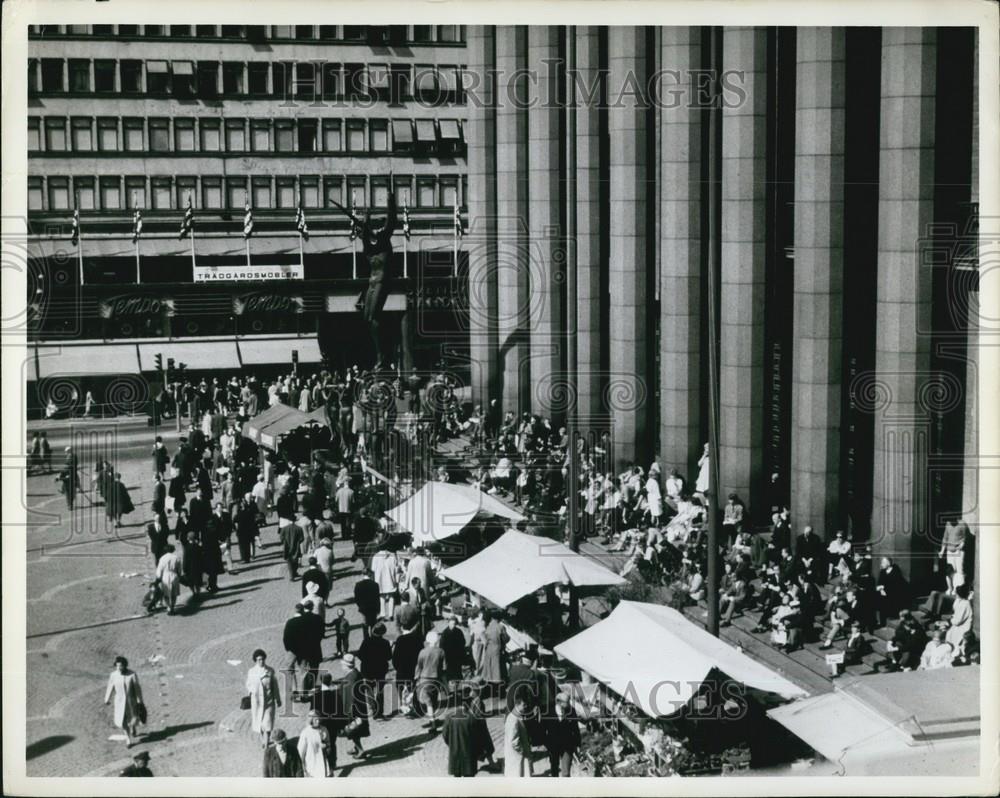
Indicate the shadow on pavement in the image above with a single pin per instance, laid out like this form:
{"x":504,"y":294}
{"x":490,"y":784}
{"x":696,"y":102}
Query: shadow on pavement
{"x":389,"y":752}
{"x":47,"y":744}
{"x":196,"y":607}
{"x":169,"y":731}
{"x":88,"y":626}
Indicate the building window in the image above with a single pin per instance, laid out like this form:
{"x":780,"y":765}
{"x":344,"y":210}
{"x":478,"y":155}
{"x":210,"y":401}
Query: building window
{"x":379,"y":80}
{"x":160,"y":190}
{"x":111,"y":194}
{"x":284,"y":136}
{"x":426,"y":192}
{"x":425,"y":81}
{"x":34,"y":134}
{"x":236,"y":135}
{"x":107,"y":135}
{"x":354,"y":33}
{"x":281,"y":80}
{"x":157,"y":77}
{"x":181,"y":31}
{"x":58,"y":193}
{"x":332,"y":137}
{"x":132,"y":134}
{"x":262,"y":192}
{"x":305,"y":81}
{"x":135,"y":192}
{"x":379,"y":132}
{"x":260,"y":130}
{"x":380,"y":192}
{"x":236,"y":193}
{"x":307,"y":129}
{"x":426,"y":137}
{"x":404,"y":191}
{"x":449,"y":192}
{"x":131,"y":76}
{"x":32,"y":76}
{"x":182,"y":73}
{"x":333,"y":191}
{"x":76,"y":30}
{"x":281,"y":31}
{"x":305,"y":32}
{"x":187,"y":189}
{"x":328,"y":32}
{"x":210,"y":135}
{"x":233,"y":31}
{"x":402,"y":135}
{"x":309,"y":192}
{"x":330,"y":78}
{"x":257,"y":78}
{"x":55,"y":133}
{"x":83,"y":193}
{"x":447,"y":33}
{"x":128,"y":30}
{"x":423,"y":33}
{"x":184,"y":135}
{"x":52,"y":74}
{"x":357,"y":192}
{"x":356,"y":135}
{"x":79,"y":75}
{"x":159,"y":135}
{"x":104,"y":30}
{"x":154,"y":31}
{"x":208,"y":78}
{"x":35,"y":194}
{"x":285,"y":192}
{"x":83,"y":134}
{"x":356,"y":81}
{"x":211,"y":193}
{"x":104,"y":76}
{"x":399,"y":83}
{"x":232,"y":78}
{"x":205,"y":31}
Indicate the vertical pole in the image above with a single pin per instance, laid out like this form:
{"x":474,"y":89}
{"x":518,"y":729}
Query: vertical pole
{"x":354,"y":242}
{"x":79,"y":252}
{"x":406,"y":272}
{"x":302,"y":255}
{"x":572,"y":474}
{"x":712,"y":576}
{"x":193,"y":263}
{"x":247,"y":239}
{"x":454,"y":249}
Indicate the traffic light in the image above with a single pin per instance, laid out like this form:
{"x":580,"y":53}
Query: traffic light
{"x":158,"y":360}
{"x":170,"y":363}
{"x":181,"y":366}
{"x":295,"y":357}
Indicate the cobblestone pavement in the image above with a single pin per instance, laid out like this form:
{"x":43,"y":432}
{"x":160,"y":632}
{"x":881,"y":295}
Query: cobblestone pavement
{"x":85,"y":581}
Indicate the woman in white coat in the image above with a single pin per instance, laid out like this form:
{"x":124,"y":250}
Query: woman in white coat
{"x":265,"y":697}
{"x":123,"y":684}
{"x":314,"y":748}
{"x":517,"y":761}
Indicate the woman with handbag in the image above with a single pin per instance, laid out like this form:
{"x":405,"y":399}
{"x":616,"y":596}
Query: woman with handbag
{"x":264,"y":695}
{"x":129,"y":709}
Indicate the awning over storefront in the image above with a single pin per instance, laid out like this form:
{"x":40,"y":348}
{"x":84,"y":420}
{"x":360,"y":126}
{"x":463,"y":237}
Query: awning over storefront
{"x":519,"y":564}
{"x":912,"y":723}
{"x":658,"y":659}
{"x":261,"y":351}
{"x":196,"y":355}
{"x":85,"y":360}
{"x":442,"y":509}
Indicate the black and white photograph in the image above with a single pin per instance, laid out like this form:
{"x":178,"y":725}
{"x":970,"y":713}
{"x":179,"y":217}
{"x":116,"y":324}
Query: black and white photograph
{"x":608,"y":395}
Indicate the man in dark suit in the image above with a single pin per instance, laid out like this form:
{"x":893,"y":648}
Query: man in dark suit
{"x":892,"y":592}
{"x":368,"y":598}
{"x":405,"y":652}
{"x":160,"y":456}
{"x":562,"y":737}
{"x":300,"y":643}
{"x":907,"y":644}
{"x":157,"y":531}
{"x":291,"y":535}
{"x":159,"y":498}
{"x":781,"y":530}
{"x":809,"y":552}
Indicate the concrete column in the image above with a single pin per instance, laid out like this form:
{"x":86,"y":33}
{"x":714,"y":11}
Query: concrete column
{"x":744,"y":158}
{"x":547,"y":252}
{"x":681,"y":398}
{"x":512,"y":216}
{"x":587,"y":249}
{"x":628,"y":387}
{"x":482,"y":209}
{"x":900,"y":522}
{"x":819,"y":277}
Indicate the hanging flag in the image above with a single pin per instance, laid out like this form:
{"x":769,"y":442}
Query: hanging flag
{"x":300,"y":223}
{"x":248,"y":222}
{"x":458,"y":222}
{"x":75,"y":235}
{"x":187,"y":223}
{"x":136,"y":225}
{"x":354,"y":220}
{"x":406,"y":223}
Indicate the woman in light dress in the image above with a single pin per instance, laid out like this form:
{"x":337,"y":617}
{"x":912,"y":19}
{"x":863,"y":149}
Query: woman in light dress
{"x":961,"y":617}
{"x":477,"y":631}
{"x":168,"y":571}
{"x":265,"y":697}
{"x":701,"y":486}
{"x":123,"y":684}
{"x":314,"y":748}
{"x":517,"y":761}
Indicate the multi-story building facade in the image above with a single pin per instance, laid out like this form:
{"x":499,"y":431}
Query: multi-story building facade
{"x":823,"y":181}
{"x":151,"y":118}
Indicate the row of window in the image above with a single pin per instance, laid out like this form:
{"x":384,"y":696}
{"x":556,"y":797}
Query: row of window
{"x":114,"y":193}
{"x":372,"y":34}
{"x":307,"y":80}
{"x":135,"y":134}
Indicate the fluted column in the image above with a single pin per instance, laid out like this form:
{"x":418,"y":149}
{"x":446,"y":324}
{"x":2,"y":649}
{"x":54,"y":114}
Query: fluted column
{"x":818,"y":277}
{"x":512,"y":216}
{"x":903,"y":307}
{"x":482,"y":214}
{"x":681,"y":397}
{"x":744,"y":159}
{"x":628,"y":389}
{"x":547,"y":253}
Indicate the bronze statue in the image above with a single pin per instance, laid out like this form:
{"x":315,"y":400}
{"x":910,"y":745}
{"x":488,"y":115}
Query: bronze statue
{"x":376,"y":238}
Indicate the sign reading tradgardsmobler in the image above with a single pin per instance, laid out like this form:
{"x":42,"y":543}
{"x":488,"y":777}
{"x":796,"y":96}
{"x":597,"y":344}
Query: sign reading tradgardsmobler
{"x":213,"y":274}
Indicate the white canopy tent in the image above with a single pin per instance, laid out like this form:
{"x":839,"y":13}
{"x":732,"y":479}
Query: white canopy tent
{"x":519,"y":564}
{"x":656,"y":658}
{"x":440,"y":510}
